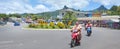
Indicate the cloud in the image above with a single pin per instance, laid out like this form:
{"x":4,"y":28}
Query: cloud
{"x":20,"y":6}
{"x":59,"y":4}
{"x":24,"y":6}
{"x":108,"y":2}
{"x":9,"y":7}
{"x":41,"y":8}
{"x":37,"y":9}
{"x":79,"y":3}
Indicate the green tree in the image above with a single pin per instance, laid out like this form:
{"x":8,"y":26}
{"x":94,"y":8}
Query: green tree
{"x":69,"y":16}
{"x":3,"y":15}
{"x":113,"y":8}
{"x":15,"y":15}
{"x":34,"y":17}
{"x":118,"y":10}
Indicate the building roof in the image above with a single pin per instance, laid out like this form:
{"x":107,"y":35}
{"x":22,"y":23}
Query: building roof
{"x":99,"y":18}
{"x":114,"y":20}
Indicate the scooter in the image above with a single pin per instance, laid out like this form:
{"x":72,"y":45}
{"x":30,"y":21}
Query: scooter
{"x":89,"y":31}
{"x":74,"y":40}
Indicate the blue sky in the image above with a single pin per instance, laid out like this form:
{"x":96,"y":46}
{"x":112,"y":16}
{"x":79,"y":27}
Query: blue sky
{"x":38,"y":6}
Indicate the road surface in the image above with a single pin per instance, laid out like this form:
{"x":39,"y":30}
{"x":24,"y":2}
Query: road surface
{"x":13,"y":37}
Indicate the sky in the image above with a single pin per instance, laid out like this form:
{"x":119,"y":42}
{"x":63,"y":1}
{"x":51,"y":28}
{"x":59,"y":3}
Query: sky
{"x":38,"y":6}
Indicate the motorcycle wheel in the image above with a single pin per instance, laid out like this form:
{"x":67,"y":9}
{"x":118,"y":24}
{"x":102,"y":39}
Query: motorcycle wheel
{"x":73,"y":43}
{"x":88,"y":33}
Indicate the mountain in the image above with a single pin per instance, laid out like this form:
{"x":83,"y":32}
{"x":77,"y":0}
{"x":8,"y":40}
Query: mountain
{"x":100,"y":9}
{"x":50,"y":14}
{"x":55,"y":13}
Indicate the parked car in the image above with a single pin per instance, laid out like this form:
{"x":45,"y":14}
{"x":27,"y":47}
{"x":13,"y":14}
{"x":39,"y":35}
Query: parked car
{"x":2,"y":23}
{"x":16,"y":23}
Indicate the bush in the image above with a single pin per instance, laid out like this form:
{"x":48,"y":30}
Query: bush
{"x":61,"y":25}
{"x":33,"y":26}
{"x":49,"y":27}
{"x":56,"y":27}
{"x":45,"y":26}
{"x":67,"y":26}
{"x":41,"y":25}
{"x":70,"y":23}
{"x":52,"y":24}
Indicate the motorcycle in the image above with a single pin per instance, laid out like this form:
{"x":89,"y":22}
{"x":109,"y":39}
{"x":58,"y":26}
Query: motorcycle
{"x":89,"y":31}
{"x":74,"y":40}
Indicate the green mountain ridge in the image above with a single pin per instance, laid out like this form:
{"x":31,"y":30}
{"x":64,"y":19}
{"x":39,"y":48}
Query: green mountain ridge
{"x":56,"y":12}
{"x":102,"y":8}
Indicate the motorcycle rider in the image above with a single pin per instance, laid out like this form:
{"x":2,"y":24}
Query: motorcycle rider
{"x":77,"y":27}
{"x":89,"y":28}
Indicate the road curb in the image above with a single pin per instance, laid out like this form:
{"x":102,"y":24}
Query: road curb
{"x":42,"y":29}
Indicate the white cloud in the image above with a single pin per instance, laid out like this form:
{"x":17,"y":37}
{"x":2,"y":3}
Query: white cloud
{"x":24,"y":6}
{"x":108,"y":2}
{"x":41,"y":8}
{"x":79,"y":3}
{"x":104,"y":2}
{"x":58,"y":4}
{"x":20,"y":6}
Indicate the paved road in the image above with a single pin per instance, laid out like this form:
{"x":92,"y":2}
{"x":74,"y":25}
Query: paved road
{"x":12,"y":37}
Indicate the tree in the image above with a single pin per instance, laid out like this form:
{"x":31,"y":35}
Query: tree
{"x":109,"y":12}
{"x":113,"y":8}
{"x":15,"y":15}
{"x":34,"y":17}
{"x":69,"y":16}
{"x":3,"y":15}
{"x":118,"y":10}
